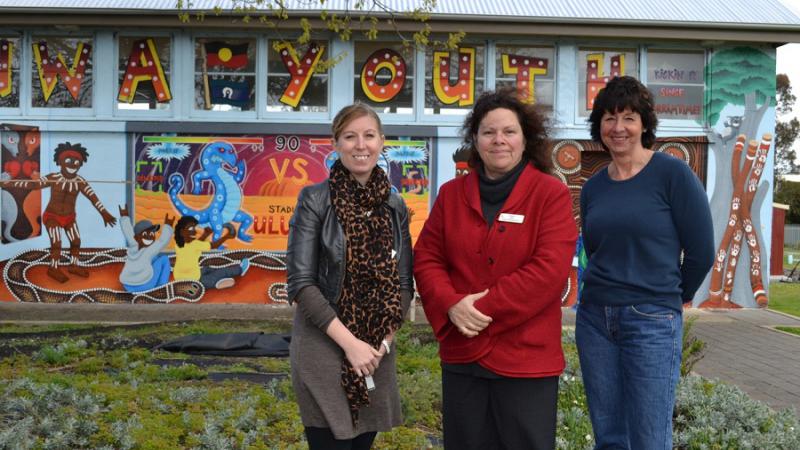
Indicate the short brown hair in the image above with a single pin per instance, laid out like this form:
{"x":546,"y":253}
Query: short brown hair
{"x":530,"y":119}
{"x":350,"y":113}
{"x":623,"y":93}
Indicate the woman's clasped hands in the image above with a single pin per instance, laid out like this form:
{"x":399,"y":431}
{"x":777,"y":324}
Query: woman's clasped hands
{"x":466,"y":317}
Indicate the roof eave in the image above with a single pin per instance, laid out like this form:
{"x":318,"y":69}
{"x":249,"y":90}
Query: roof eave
{"x":474,"y":25}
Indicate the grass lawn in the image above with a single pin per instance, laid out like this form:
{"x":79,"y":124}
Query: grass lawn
{"x":785,"y":297}
{"x":793,"y":330}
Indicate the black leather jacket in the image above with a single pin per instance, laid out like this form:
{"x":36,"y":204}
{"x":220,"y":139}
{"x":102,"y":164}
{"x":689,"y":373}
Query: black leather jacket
{"x":316,"y":251}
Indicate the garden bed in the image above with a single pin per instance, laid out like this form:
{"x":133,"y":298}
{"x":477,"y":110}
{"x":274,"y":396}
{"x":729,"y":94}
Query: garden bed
{"x":104,"y":388}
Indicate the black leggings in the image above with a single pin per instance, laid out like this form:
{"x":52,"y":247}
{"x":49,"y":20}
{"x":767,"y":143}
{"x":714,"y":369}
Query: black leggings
{"x":322,"y":439}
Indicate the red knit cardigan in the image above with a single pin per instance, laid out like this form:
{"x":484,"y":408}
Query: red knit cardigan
{"x":524,"y":265}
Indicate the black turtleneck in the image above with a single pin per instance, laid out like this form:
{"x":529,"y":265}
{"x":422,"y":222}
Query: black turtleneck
{"x":495,"y":192}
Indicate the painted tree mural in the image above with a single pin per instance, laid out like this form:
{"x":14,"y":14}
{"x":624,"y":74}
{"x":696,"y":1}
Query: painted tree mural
{"x":738,"y":77}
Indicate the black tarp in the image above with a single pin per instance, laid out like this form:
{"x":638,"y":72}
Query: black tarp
{"x":230,"y":344}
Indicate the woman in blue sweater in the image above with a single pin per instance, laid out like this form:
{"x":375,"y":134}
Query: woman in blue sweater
{"x":649,"y":241}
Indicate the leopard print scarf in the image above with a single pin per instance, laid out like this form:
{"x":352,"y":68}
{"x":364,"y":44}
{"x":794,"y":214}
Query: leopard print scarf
{"x":369,"y":304}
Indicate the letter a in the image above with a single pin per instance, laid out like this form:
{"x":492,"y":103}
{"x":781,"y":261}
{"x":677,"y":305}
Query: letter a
{"x":144,"y":65}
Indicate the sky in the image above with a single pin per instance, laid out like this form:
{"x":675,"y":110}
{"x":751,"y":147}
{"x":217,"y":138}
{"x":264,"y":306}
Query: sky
{"x":788,"y":62}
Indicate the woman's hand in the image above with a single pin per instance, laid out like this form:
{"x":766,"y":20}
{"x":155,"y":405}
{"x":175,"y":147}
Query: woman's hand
{"x":466,"y":317}
{"x":362,"y":357}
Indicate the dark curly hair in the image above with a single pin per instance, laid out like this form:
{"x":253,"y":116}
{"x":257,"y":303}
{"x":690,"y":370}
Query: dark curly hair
{"x":74,"y":147}
{"x":530,"y":119}
{"x":622,"y":93}
{"x":183,"y":222}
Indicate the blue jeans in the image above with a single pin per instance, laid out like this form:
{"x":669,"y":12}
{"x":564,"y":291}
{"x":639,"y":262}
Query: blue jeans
{"x":630,"y":359}
{"x":161,"y":271}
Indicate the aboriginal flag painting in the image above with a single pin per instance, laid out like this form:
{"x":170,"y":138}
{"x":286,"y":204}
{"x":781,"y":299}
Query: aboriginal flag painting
{"x":223,"y":54}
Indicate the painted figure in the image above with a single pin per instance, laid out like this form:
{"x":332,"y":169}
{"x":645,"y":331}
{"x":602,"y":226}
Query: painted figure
{"x":145,"y":266}
{"x":461,"y":160}
{"x":60,"y":214}
{"x":350,"y":303}
{"x":219,"y":166}
{"x":21,"y":208}
{"x":190,"y":248}
{"x":649,"y":242}
{"x":491,"y":263}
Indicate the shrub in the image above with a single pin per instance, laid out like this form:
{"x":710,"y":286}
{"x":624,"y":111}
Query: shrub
{"x":693,"y":348}
{"x":714,"y":415}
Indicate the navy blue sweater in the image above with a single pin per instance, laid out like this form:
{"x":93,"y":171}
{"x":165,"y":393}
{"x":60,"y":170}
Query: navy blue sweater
{"x":634,"y":231}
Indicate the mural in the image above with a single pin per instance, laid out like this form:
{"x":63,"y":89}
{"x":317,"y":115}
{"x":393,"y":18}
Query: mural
{"x":743,"y":85}
{"x":241,"y":191}
{"x":253,"y":181}
{"x":19,"y":159}
{"x":60,"y":213}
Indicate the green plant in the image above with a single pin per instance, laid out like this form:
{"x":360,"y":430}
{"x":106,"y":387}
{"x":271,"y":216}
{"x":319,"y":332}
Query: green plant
{"x":714,"y":415}
{"x":692,"y":349}
{"x":62,"y":353}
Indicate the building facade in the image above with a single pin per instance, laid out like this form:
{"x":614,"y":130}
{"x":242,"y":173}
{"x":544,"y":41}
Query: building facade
{"x":154,"y":101}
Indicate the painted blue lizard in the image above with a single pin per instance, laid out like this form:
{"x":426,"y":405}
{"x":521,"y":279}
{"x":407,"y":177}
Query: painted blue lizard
{"x":220,"y":165}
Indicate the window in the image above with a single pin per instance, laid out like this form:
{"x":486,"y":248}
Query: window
{"x":676,"y":80}
{"x":9,"y":72}
{"x":598,"y":65}
{"x":531,"y":70}
{"x":384,"y":76}
{"x":454,"y":79}
{"x":144,"y":72}
{"x":224,"y":74}
{"x":293,"y":80}
{"x":62,"y":72}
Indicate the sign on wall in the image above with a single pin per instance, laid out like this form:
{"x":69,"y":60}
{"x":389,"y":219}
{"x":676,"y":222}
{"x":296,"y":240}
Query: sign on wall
{"x":252,"y":181}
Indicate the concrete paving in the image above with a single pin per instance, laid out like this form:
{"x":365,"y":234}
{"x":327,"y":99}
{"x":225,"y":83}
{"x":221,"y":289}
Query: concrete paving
{"x":743,"y":348}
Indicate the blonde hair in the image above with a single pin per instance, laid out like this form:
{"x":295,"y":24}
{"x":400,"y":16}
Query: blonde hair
{"x":351,"y":113}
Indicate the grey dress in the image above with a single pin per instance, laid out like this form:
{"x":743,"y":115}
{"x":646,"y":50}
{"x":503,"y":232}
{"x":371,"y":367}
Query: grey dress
{"x":316,"y":374}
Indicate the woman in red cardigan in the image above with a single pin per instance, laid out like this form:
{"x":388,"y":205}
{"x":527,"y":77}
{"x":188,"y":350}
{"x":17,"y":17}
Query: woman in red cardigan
{"x":490,"y":265}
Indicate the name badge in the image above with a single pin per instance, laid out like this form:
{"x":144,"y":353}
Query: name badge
{"x":512,"y":218}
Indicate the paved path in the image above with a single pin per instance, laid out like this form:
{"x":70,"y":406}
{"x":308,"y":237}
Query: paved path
{"x":742,"y":347}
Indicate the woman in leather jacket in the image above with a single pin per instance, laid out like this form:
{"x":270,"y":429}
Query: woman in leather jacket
{"x":349,"y":274}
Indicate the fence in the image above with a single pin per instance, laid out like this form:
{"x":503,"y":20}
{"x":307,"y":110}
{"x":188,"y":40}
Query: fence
{"x":791,"y":235}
